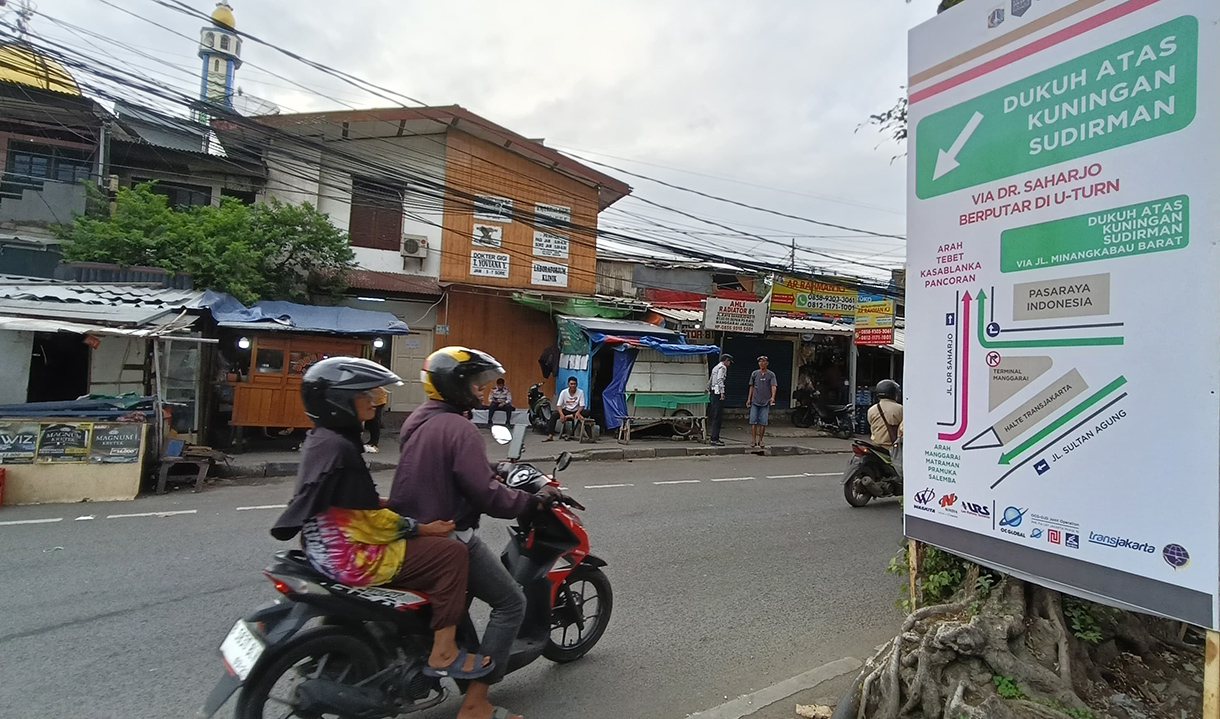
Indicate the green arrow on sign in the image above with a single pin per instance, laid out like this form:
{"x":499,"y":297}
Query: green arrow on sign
{"x":1017,"y":344}
{"x":946,"y":160}
{"x":1007,"y":457}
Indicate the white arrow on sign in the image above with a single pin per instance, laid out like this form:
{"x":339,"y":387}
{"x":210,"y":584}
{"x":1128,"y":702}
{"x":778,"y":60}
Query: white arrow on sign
{"x":946,"y":161}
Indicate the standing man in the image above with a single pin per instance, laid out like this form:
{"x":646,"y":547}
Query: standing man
{"x":763,"y":386}
{"x":716,"y":400}
{"x":501,"y":399}
{"x":569,"y":407}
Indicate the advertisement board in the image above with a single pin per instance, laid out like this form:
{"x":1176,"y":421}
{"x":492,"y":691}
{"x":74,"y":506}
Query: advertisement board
{"x":1064,"y":172}
{"x":18,"y":441}
{"x":548,"y":274}
{"x":737,"y":316}
{"x":63,"y":442}
{"x":794,"y":297}
{"x":874,"y":319}
{"x":488,"y":264}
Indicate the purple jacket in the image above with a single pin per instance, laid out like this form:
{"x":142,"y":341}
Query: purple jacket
{"x":443,"y":472}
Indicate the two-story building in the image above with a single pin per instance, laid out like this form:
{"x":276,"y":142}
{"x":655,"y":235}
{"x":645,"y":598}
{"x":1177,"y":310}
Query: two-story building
{"x":453,"y":219}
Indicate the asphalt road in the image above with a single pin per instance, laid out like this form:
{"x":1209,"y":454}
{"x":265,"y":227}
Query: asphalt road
{"x":721,"y":588}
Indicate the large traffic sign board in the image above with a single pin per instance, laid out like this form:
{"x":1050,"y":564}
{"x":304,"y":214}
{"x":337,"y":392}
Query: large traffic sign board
{"x":1062,"y":322}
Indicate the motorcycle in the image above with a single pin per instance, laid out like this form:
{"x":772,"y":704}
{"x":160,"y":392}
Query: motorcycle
{"x":540,"y":409}
{"x":871,"y":474}
{"x":359,"y":652}
{"x":809,"y":412}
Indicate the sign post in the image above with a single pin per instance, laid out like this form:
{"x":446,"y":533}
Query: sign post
{"x":1063,"y":192}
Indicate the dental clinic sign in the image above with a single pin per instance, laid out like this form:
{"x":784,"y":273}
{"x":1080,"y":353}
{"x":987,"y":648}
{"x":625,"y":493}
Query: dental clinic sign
{"x":1063,"y":191}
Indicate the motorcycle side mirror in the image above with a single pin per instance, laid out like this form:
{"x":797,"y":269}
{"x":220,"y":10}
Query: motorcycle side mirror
{"x":502,"y":434}
{"x":517,"y":446}
{"x":562,"y":462}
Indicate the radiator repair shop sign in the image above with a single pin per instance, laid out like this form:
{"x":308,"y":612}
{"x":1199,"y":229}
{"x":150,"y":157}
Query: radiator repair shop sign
{"x":793,"y":297}
{"x":493,"y":209}
{"x":874,"y":320}
{"x":1049,"y":188}
{"x":549,"y":274}
{"x":18,"y":441}
{"x":488,"y":264}
{"x":549,"y":244}
{"x":63,"y":442}
{"x":117,"y":443}
{"x":737,"y":316}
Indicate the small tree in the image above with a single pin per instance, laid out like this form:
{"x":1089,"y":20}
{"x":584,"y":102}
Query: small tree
{"x":265,"y":251}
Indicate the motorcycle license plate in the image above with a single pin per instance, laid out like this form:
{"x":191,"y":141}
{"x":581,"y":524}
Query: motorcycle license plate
{"x":241,"y":649}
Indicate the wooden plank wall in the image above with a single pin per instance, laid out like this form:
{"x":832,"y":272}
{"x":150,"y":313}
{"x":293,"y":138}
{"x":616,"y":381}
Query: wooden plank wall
{"x":479,"y":167}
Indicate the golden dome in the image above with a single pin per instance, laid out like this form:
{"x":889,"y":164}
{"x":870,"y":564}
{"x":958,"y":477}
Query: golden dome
{"x":22,"y":65}
{"x":223,"y":15}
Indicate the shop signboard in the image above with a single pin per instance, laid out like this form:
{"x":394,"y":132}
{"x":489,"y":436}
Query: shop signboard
{"x":548,"y":215}
{"x":737,"y":316}
{"x":794,"y":297}
{"x":491,"y":208}
{"x":487,"y":235}
{"x":488,"y":264}
{"x":874,"y":319}
{"x":117,"y":443}
{"x":63,"y":442}
{"x":18,"y":441}
{"x":1060,"y":165}
{"x":549,"y":244}
{"x":548,"y":274}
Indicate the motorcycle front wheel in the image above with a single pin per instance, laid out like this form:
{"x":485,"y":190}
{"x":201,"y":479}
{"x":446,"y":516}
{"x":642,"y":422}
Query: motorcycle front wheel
{"x":326,"y":653}
{"x":854,"y":491}
{"x":582,"y":610}
{"x":802,"y":417}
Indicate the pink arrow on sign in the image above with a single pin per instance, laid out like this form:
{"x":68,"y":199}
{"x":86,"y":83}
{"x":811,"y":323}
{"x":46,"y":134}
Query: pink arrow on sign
{"x":953,"y":437}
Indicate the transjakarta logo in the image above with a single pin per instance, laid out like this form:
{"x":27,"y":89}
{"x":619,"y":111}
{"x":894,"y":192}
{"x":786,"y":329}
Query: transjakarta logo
{"x":924,"y":498}
{"x":1120,"y":543}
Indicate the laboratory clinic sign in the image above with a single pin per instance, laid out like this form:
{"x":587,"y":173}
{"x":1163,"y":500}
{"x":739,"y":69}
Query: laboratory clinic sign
{"x":737,"y":316}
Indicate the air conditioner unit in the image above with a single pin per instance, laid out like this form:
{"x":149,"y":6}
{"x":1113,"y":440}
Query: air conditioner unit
{"x":414,"y":246}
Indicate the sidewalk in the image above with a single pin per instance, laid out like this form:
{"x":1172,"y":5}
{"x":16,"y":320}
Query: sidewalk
{"x":282,"y":461}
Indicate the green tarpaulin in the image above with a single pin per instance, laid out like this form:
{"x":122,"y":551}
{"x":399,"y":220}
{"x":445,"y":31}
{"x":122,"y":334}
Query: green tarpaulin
{"x":574,"y":306}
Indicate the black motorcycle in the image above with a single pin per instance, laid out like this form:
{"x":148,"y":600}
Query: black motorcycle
{"x":540,"y":410}
{"x":326,"y":648}
{"x":871,"y":474}
{"x":810,"y":412}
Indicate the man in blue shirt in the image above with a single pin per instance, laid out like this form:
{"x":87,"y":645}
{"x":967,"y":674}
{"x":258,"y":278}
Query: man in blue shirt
{"x":763,"y":386}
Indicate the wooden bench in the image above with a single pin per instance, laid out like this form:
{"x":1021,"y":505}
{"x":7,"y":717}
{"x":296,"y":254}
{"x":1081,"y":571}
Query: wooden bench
{"x":683,"y":425}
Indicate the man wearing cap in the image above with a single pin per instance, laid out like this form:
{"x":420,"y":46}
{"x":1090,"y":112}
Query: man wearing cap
{"x":715,"y":407}
{"x":763,"y":386}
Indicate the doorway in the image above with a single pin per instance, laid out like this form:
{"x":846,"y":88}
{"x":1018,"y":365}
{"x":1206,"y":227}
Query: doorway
{"x":406,"y":360}
{"x":59,"y":368}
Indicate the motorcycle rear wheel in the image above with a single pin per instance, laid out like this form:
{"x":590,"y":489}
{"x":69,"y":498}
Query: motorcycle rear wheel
{"x":854,"y":491}
{"x":585,"y":593}
{"x":328,"y":652}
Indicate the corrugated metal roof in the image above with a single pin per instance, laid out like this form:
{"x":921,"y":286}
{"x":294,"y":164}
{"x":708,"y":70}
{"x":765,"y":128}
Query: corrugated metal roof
{"x":108,"y":304}
{"x":900,"y":339}
{"x":396,"y":282}
{"x":36,"y":324}
{"x":679,"y":314}
{"x":788,"y":324}
{"x":608,"y":326}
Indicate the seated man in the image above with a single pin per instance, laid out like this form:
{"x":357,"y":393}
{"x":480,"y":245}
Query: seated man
{"x":346,"y":533}
{"x":501,"y":399}
{"x":569,"y":407}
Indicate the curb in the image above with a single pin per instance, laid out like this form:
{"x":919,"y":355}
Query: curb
{"x":611,"y":454}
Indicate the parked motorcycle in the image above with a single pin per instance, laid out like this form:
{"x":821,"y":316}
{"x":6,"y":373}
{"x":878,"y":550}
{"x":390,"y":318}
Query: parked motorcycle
{"x":870,"y":474}
{"x":540,"y":411}
{"x":359,"y":652}
{"x":809,"y":412}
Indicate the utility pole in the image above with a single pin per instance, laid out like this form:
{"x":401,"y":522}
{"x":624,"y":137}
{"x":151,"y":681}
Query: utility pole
{"x":792,"y":260}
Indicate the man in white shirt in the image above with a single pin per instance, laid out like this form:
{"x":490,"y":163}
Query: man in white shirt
{"x":569,"y":407}
{"x":715,"y":405}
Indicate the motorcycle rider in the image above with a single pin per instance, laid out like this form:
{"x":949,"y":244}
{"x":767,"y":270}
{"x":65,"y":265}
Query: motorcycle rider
{"x":885,"y":417}
{"x":345,"y":532}
{"x":443,"y":471}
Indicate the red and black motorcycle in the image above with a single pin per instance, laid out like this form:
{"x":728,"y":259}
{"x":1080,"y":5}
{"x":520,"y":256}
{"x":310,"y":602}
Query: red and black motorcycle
{"x":325,"y":648}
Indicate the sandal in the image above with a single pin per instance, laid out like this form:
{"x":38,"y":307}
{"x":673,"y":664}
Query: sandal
{"x":549,"y":439}
{"x":455,"y":670}
{"x":500,"y":713}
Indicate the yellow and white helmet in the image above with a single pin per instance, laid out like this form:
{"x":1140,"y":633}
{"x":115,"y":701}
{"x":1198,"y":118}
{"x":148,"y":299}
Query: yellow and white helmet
{"x":451,"y":375}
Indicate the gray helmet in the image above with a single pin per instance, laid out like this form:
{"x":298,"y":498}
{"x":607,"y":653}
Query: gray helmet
{"x":329,"y":388}
{"x":888,"y":389}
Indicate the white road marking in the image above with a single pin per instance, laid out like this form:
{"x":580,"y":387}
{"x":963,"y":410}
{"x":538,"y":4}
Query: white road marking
{"x":607,"y":486}
{"x":679,"y":481}
{"x":826,"y":474}
{"x":31,"y":521}
{"x":262,"y":506}
{"x":84,"y":518}
{"x":750,"y":703}
{"x":152,"y":514}
{"x":803,"y":475}
{"x":733,"y":479}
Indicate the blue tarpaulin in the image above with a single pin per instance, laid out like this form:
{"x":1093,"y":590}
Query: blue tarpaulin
{"x":275,"y":315}
{"x":614,"y":399}
{"x":665,"y":347}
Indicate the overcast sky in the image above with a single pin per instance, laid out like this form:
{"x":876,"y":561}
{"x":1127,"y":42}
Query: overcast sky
{"x":767,"y":93}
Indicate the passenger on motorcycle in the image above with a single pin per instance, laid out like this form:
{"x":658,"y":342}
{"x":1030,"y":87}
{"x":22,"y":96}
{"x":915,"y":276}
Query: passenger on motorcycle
{"x":443,"y":471}
{"x":345,"y":532}
{"x":885,"y":417}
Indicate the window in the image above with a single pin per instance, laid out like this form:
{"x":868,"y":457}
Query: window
{"x":30,"y":165}
{"x":216,"y":66}
{"x":210,"y":39}
{"x":269,"y":361}
{"x":376,"y":218}
{"x":224,"y":42}
{"x":181,"y":195}
{"x":245,"y":198}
